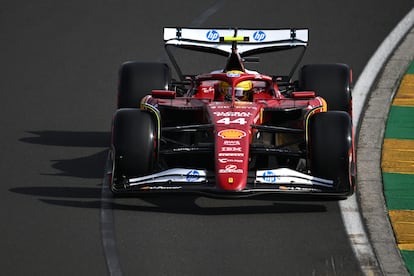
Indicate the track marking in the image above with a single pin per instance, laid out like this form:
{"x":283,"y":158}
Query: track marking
{"x":405,"y":95}
{"x":403,"y":224}
{"x":397,"y":156}
{"x":398,"y":167}
{"x":349,"y":207}
{"x":107,"y":227}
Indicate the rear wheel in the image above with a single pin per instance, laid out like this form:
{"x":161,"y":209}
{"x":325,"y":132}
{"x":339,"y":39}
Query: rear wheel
{"x":137,"y":79}
{"x":331,"y":149}
{"x":133,"y":143}
{"x":330,"y":81}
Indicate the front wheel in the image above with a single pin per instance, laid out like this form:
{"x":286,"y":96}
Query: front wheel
{"x":134,"y":143}
{"x":331,"y":149}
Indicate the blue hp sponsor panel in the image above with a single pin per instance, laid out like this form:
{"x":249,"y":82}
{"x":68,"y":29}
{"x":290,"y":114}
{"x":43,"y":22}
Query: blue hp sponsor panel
{"x":269,"y":176}
{"x":259,"y":35}
{"x":193,"y":176}
{"x":212,"y":35}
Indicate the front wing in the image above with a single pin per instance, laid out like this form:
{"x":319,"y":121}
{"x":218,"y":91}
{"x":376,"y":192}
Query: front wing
{"x":278,"y":181}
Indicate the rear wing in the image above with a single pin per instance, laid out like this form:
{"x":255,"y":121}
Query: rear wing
{"x":249,"y":41}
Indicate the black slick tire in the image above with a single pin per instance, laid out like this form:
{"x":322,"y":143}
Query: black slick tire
{"x":137,"y":79}
{"x":133,"y":143}
{"x":330,"y":149}
{"x":330,"y":81}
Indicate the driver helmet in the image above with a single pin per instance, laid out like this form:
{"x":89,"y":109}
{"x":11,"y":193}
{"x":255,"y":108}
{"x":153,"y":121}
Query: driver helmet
{"x":242,"y":89}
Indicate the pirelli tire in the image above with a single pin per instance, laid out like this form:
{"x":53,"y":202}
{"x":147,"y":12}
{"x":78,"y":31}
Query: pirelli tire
{"x":331,"y":149}
{"x":330,"y":81}
{"x":134,"y":143}
{"x":137,"y":79}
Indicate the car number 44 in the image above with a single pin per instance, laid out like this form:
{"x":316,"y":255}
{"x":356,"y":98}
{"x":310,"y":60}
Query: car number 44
{"x":228,"y":121}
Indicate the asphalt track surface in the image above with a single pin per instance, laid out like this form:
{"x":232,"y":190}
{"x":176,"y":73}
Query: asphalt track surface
{"x":59,"y":65}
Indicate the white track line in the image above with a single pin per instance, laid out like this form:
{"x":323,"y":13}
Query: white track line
{"x":107,"y":227}
{"x":349,"y":208}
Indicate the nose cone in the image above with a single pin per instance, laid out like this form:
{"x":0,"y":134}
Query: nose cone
{"x":232,"y":177}
{"x":233,"y":137}
{"x":232,"y":150}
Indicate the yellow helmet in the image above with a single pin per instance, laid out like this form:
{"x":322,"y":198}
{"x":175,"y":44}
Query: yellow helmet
{"x":242,"y":89}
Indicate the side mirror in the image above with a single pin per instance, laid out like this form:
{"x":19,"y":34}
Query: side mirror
{"x":163,"y":94}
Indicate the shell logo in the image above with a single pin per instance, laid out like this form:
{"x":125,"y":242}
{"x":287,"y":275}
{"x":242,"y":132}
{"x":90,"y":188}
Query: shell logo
{"x":232,"y":134}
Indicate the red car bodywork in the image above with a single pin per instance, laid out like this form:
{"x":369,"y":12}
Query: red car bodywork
{"x":233,"y":120}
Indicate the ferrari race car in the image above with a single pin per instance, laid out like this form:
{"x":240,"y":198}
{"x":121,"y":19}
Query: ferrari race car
{"x":233,"y":131}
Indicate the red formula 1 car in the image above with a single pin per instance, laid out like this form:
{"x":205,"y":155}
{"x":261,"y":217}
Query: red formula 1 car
{"x":233,"y":132}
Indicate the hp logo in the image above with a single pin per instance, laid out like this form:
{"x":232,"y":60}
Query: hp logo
{"x":259,"y":36}
{"x":192,"y":176}
{"x":212,"y":35}
{"x":269,"y":176}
